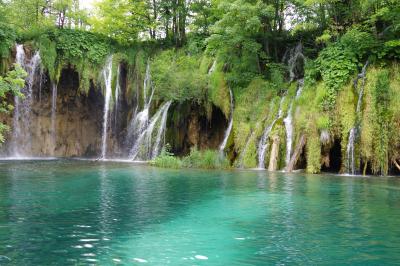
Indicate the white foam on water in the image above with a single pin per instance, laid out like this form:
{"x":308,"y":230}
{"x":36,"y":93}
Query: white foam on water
{"x":240,"y":238}
{"x":88,"y":246}
{"x":140,"y":260}
{"x":201,"y":257}
{"x":117,"y":260}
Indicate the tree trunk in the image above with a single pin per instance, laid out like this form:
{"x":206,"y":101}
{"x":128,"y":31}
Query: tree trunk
{"x":396,"y":164}
{"x":297,"y":153}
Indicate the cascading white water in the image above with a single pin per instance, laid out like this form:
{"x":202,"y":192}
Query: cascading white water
{"x":21,"y":143}
{"x":263,"y":144}
{"x":213,"y":67}
{"x":144,"y":148}
{"x":295,"y":55}
{"x":117,"y":93}
{"x":288,"y":121}
{"x":140,"y":120}
{"x":107,"y":75}
{"x":354,"y":130}
{"x":229,"y":129}
{"x":161,"y":131}
{"x":54,"y":115}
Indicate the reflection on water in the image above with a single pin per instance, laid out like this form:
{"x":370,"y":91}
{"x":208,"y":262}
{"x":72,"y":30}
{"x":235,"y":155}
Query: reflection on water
{"x":70,"y":212}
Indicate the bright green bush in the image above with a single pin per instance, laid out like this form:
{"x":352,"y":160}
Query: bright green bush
{"x":207,"y":159}
{"x":176,"y":76}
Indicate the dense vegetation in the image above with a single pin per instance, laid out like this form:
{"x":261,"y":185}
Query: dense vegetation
{"x":248,"y":42}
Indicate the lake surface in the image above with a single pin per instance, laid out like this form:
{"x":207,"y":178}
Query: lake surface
{"x":80,"y":212}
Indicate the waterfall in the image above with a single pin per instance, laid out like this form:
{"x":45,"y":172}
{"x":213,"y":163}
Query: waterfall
{"x":107,"y":74}
{"x":140,"y":120}
{"x":263,"y":144}
{"x":229,"y":129}
{"x":288,"y":121}
{"x":161,"y":131}
{"x":294,"y":56}
{"x":145,"y":143}
{"x":144,"y":148}
{"x":350,"y":151}
{"x":21,"y":137}
{"x":54,"y":115}
{"x":117,"y":92}
{"x":213,"y":67}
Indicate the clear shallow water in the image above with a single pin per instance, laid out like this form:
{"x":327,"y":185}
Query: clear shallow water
{"x":106,"y":213}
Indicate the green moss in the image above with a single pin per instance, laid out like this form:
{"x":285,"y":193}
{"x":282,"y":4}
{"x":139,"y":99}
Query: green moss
{"x":313,"y":151}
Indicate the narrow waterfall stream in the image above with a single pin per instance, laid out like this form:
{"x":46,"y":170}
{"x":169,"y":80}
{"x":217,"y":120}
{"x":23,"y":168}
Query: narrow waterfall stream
{"x":263,"y":144}
{"x":229,"y":129}
{"x":288,"y":121}
{"x":117,"y":94}
{"x":350,"y":151}
{"x":54,"y":116}
{"x":107,"y":75}
{"x":21,"y":140}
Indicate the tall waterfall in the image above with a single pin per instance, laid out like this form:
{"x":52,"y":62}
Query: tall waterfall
{"x":354,"y":130}
{"x":140,"y":120}
{"x":144,"y":133}
{"x":263,"y":144}
{"x":145,"y":148}
{"x":296,"y":62}
{"x":107,"y":75}
{"x":54,"y":115}
{"x":229,"y":129}
{"x":288,"y":121}
{"x":21,"y":142}
{"x":117,"y":94}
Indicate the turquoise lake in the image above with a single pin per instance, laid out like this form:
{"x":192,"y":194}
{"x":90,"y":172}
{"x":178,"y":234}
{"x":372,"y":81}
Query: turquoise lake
{"x":67,"y":212}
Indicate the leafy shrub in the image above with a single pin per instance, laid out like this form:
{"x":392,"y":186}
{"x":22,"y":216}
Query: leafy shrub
{"x":7,"y":40}
{"x":167,"y":160}
{"x":10,"y":84}
{"x":176,"y":76}
{"x":208,"y":159}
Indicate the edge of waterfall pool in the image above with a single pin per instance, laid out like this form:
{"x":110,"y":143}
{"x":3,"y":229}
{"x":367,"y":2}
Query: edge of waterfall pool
{"x":148,"y":164}
{"x":85,"y":211}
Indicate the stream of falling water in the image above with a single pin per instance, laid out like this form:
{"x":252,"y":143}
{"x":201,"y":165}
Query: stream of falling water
{"x":229,"y":129}
{"x":145,"y":143}
{"x":288,"y":121}
{"x":144,"y":147}
{"x":21,"y":141}
{"x":54,"y":116}
{"x":107,"y":74}
{"x":117,"y":94}
{"x":140,"y":120}
{"x":263,"y":144}
{"x":354,"y":130}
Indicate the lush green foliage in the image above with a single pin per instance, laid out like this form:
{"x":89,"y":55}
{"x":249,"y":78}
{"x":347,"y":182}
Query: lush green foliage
{"x":176,"y":76}
{"x":10,"y":85}
{"x":7,"y":40}
{"x":207,"y":159}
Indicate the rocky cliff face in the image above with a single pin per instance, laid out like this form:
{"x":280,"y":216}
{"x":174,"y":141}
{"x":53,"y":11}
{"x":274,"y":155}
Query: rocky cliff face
{"x":79,"y":117}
